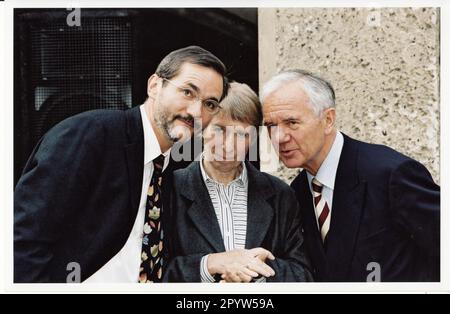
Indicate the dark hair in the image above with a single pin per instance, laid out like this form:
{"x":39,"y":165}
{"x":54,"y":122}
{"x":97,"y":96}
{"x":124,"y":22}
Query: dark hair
{"x":170,"y":66}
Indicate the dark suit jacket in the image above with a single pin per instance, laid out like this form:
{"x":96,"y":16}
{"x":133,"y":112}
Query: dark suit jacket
{"x":274,"y":223}
{"x":79,"y":194}
{"x":386,"y":209}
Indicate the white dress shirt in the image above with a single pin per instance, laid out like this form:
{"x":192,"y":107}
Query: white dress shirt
{"x":327,"y":172}
{"x":124,"y":267}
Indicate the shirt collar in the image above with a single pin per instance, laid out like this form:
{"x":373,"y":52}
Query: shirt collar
{"x":152,"y":150}
{"x":241,"y":180}
{"x":328,"y":170}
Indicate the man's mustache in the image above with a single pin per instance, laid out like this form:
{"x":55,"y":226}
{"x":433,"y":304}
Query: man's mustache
{"x":196,"y":123}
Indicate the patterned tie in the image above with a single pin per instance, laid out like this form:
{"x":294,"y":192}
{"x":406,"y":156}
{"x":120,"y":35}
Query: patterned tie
{"x":151,"y":270}
{"x":322,"y":209}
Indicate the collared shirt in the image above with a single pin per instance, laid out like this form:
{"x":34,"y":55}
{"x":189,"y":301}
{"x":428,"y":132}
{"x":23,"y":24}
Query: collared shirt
{"x":230,"y":205}
{"x":124,"y":267}
{"x":327,"y":171}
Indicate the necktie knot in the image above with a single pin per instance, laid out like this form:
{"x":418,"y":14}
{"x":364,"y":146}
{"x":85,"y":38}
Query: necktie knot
{"x":158,"y":163}
{"x":322,"y":209}
{"x":317,"y":186}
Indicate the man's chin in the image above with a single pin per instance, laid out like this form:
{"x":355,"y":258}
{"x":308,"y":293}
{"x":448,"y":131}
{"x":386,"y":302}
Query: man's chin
{"x":179,"y":139}
{"x":291,"y":163}
{"x":181,"y":134}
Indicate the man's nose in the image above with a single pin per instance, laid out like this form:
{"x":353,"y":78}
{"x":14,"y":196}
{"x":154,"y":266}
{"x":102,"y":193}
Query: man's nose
{"x":195,"y":109}
{"x":280,"y":136}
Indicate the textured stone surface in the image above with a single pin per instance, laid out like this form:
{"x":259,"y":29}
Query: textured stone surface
{"x":383,"y":64}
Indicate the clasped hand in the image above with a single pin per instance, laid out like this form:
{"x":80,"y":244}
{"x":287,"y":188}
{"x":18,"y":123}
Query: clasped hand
{"x":241,"y":265}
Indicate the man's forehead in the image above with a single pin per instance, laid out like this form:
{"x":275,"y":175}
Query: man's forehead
{"x":202,"y":78}
{"x":192,"y":77}
{"x":282,"y":111}
{"x":286,"y":107}
{"x":281,"y":115}
{"x":195,"y":72}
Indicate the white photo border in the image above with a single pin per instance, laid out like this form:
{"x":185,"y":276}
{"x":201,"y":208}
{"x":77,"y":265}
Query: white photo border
{"x":7,"y":158}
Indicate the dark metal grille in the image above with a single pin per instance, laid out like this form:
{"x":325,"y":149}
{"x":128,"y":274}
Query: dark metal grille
{"x":76,"y":69}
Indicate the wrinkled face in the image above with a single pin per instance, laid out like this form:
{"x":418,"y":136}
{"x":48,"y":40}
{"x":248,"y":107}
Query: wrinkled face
{"x":226,"y":142}
{"x":296,"y":131}
{"x":178,"y":102}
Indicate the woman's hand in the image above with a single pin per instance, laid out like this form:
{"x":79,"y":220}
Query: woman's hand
{"x":241,"y":265}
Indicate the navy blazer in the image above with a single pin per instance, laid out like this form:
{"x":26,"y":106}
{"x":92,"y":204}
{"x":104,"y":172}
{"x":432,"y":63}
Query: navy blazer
{"x":274,"y":223}
{"x":79,"y":194}
{"x":386,"y":210}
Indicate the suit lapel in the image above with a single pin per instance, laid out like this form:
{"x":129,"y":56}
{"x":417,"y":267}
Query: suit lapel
{"x":348,"y":201}
{"x":203,"y":216}
{"x":134,"y":151}
{"x":202,"y":212}
{"x":260,"y":212}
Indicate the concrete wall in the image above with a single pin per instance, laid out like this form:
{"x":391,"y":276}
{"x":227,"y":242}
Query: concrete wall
{"x":383,"y":64}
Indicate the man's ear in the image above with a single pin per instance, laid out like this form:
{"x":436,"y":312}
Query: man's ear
{"x":152,"y":86}
{"x":330,"y":120}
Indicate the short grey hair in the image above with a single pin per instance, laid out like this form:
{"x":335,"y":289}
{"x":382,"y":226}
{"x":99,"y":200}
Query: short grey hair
{"x":242,"y":104}
{"x":320,"y":92}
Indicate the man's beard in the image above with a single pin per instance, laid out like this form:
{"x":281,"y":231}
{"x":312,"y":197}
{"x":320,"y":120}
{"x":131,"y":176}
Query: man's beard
{"x":166,"y":124}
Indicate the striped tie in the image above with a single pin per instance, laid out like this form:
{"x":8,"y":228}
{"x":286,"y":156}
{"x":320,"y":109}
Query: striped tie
{"x":322,"y":209}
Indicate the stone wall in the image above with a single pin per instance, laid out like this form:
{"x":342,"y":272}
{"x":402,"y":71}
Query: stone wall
{"x":383,"y":64}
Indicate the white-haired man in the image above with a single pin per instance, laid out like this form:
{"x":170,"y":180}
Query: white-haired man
{"x":370,"y":213}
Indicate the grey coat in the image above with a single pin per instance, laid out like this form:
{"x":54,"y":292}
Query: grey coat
{"x":274,"y":223}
